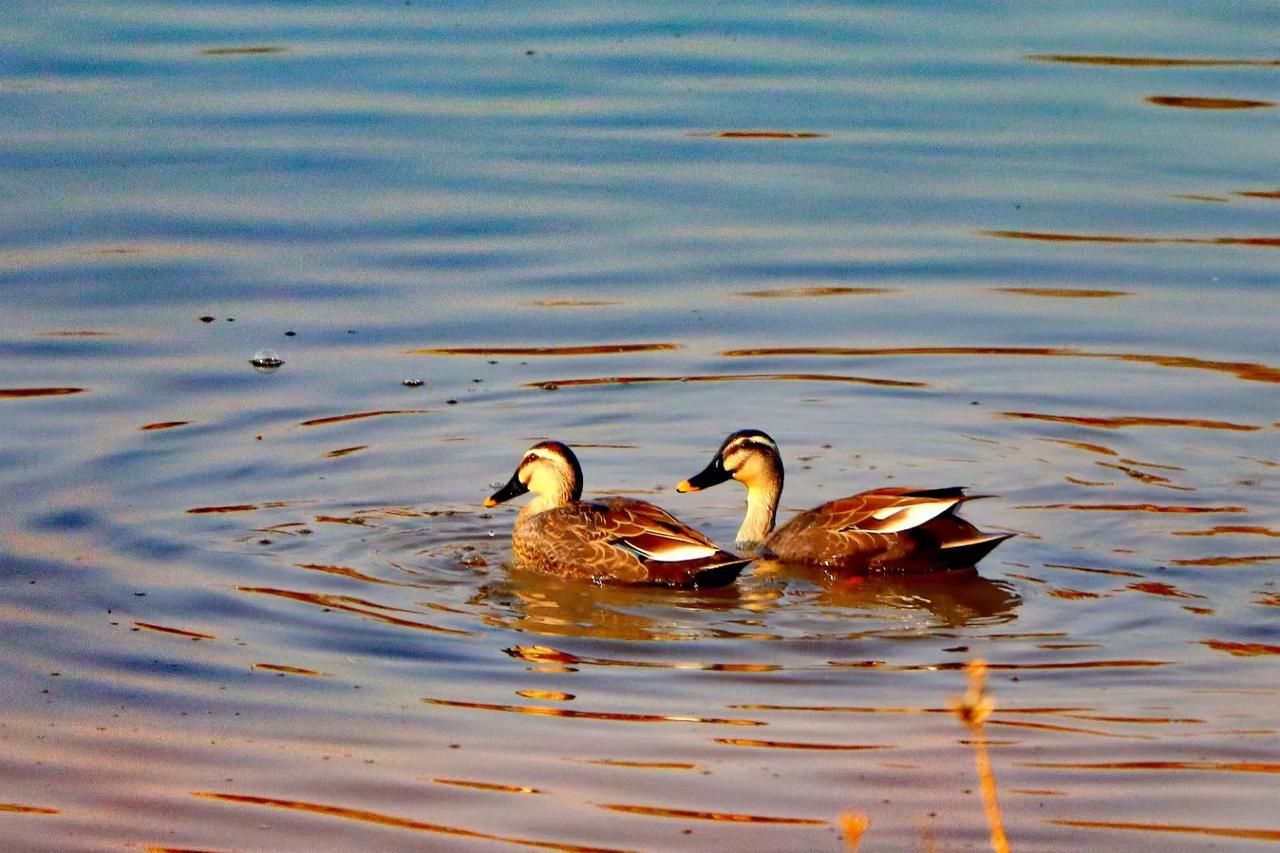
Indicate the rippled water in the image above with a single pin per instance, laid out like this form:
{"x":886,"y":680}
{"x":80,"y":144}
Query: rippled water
{"x":1027,"y":249}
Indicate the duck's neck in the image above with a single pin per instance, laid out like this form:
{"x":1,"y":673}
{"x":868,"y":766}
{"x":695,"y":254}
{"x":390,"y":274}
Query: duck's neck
{"x":762,"y":507}
{"x":545,"y":501}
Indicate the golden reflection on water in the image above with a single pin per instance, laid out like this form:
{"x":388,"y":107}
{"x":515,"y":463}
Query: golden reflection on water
{"x":953,"y":598}
{"x":1217,"y":831}
{"x":350,"y":604}
{"x":551,"y":607}
{"x":181,"y":632}
{"x":1059,"y":237}
{"x":1142,"y":721}
{"x":1244,"y":650}
{"x":960,"y":665}
{"x":345,"y":451}
{"x":1248,"y":371}
{"x":228,"y":508}
{"x":1145,"y":477}
{"x":348,"y":572}
{"x":553,"y":384}
{"x":1157,"y":508}
{"x":814,"y":292}
{"x":488,"y":786}
{"x":1148,"y":61}
{"x":383,"y":819}
{"x":355,"y":416}
{"x":1092,"y":570}
{"x":592,"y":349}
{"x":546,"y":695}
{"x":1065,"y":710}
{"x":1197,"y":766}
{"x":1193,"y":103}
{"x":38,"y":392}
{"x":291,"y":670}
{"x":247,"y":50}
{"x":1075,"y":594}
{"x":1231,"y":530}
{"x":1226,"y":561}
{"x":1123,"y":421}
{"x":1216,"y":199}
{"x":1083,"y":445}
{"x":163,"y":425}
{"x":543,"y":654}
{"x":687,"y":814}
{"x":1077,"y":730}
{"x":1063,"y":292}
{"x":609,"y":716}
{"x":1166,"y":590}
{"x":788,"y":744}
{"x":640,"y":765}
{"x":760,"y":134}
{"x":19,"y":808}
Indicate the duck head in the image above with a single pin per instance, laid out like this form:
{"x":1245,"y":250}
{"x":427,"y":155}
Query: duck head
{"x":751,"y":457}
{"x":550,"y":470}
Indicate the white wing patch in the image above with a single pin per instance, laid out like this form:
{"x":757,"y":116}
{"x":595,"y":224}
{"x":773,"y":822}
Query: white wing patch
{"x":654,"y":546}
{"x":898,"y":518}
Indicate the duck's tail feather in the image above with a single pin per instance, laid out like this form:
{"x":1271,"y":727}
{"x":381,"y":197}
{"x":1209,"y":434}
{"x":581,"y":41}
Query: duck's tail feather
{"x":961,"y":553}
{"x":720,"y":569}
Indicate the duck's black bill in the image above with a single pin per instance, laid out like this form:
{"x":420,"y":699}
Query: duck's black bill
{"x":712,"y":475}
{"x":513,"y":489}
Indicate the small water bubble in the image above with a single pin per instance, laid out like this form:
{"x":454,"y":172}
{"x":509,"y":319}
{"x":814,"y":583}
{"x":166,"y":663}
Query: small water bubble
{"x":265,"y":359}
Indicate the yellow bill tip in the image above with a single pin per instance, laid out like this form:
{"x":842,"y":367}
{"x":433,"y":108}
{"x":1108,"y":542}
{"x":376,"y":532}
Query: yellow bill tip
{"x":686,"y":486}
{"x":490,"y":503}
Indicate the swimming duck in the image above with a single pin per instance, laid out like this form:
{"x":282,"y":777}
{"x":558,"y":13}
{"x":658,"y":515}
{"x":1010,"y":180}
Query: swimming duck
{"x":886,"y":529}
{"x":609,"y":540}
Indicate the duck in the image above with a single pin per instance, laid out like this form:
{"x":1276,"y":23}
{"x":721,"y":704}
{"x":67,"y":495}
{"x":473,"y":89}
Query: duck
{"x":887,"y":529}
{"x":613,"y":540}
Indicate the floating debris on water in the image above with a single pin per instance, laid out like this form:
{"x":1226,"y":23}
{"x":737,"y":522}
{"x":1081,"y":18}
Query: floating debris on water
{"x":265,"y":359}
{"x":412,"y":383}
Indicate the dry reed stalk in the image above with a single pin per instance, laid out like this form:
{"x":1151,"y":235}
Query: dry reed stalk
{"x":973,"y":709}
{"x":852,"y":825}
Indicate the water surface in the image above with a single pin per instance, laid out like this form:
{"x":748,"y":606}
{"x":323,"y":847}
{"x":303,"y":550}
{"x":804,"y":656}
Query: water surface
{"x":1032,"y":251}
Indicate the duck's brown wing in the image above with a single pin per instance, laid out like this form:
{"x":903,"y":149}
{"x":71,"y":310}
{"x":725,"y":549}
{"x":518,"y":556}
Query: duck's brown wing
{"x":673,"y":553}
{"x":882,"y":510}
{"x":619,"y":540}
{"x":853,"y":531}
{"x":569,"y":541}
{"x":893,"y":527}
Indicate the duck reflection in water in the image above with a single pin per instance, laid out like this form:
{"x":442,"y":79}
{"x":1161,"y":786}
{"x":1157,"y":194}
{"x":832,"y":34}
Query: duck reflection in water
{"x":531,"y":601}
{"x":776,"y":600}
{"x":954,"y":598}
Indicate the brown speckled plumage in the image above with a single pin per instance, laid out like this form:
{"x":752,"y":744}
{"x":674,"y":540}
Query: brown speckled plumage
{"x":609,"y":540}
{"x":840,"y":534}
{"x":886,"y":529}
